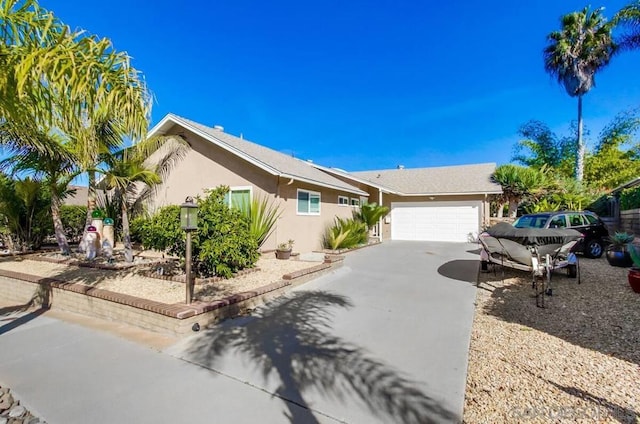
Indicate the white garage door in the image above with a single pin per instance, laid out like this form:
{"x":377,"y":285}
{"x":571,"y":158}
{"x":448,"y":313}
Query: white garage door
{"x":435,"y":221}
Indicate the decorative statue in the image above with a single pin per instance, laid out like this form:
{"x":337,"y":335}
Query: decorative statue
{"x":92,"y":242}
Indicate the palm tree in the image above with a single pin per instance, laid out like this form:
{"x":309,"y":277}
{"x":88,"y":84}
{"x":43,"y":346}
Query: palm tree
{"x":628,"y":18}
{"x":53,"y":77}
{"x":134,"y":172}
{"x":518,"y":183}
{"x":582,"y":47}
{"x":56,"y":168}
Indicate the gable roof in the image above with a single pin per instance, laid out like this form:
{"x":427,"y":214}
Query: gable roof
{"x":445,"y":180}
{"x":269,"y":160}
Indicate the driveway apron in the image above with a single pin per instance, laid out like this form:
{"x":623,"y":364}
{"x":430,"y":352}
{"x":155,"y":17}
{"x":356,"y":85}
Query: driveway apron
{"x":383,"y":339}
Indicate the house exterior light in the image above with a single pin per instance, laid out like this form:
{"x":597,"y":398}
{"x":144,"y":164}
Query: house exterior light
{"x":189,"y":215}
{"x":189,"y":223}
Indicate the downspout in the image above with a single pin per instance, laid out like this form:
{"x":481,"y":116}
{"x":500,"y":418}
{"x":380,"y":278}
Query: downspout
{"x":381,"y":218}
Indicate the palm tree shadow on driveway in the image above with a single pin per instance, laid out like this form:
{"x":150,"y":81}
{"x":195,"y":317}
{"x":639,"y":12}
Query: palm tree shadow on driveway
{"x":290,"y":338}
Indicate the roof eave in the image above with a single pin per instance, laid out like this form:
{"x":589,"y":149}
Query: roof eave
{"x":356,"y":179}
{"x":176,"y":120}
{"x":466,"y":193}
{"x":325,"y":185}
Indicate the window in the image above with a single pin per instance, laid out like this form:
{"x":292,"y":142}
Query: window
{"x":592,"y":219}
{"x":558,"y":222}
{"x":308,"y":202}
{"x":575,"y":220}
{"x":238,"y":197}
{"x":343,"y":201}
{"x":355,"y":202}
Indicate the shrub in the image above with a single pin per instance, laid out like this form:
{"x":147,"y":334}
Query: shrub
{"x":73,"y":219}
{"x":345,"y":234}
{"x":370,"y":214}
{"x":222,"y":244}
{"x":630,"y":198}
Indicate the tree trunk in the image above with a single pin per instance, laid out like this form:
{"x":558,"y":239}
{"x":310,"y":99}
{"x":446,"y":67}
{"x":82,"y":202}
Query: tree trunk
{"x":580,"y":147}
{"x":58,"y":228}
{"x":500,"y":211}
{"x":513,"y":208}
{"x":91,"y":202}
{"x":126,"y":237}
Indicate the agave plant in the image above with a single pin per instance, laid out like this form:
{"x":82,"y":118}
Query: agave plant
{"x":345,"y":233}
{"x":262,"y":215}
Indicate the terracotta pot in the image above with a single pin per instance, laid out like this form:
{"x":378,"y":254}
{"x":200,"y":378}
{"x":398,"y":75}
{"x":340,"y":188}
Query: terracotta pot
{"x":283,"y":254}
{"x":634,"y":279}
{"x":619,"y":258}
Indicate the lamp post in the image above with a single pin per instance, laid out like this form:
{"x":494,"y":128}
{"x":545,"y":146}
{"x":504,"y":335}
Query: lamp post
{"x":189,"y":223}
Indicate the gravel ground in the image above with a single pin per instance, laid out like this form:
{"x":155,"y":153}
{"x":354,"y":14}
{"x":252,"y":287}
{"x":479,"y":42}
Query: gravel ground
{"x":132,"y":283}
{"x":577,"y":360}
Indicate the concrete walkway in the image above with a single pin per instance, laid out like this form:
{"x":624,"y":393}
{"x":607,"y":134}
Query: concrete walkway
{"x":384,"y":339}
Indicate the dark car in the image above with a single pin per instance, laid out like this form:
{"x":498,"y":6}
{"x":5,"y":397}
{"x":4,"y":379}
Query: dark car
{"x":588,"y":223}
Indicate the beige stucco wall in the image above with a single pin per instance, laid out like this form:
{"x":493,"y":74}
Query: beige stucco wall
{"x":208,"y":166}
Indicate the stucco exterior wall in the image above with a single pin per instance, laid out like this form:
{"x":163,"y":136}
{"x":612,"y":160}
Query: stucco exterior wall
{"x":208,"y":166}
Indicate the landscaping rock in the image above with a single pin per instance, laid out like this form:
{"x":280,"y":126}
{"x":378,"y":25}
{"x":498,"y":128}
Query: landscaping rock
{"x":17,"y":411}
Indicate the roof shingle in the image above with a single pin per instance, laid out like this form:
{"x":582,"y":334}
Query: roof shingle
{"x":461,"y":179}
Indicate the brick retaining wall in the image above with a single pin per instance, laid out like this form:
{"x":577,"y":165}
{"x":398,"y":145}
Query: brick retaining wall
{"x":175,"y":319}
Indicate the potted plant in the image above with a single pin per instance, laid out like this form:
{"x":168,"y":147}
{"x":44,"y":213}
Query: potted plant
{"x":283,"y":251}
{"x":617,"y":254}
{"x":634,"y":271}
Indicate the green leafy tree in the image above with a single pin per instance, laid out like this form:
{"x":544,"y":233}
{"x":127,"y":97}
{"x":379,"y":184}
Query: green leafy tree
{"x":542,"y":148}
{"x":616,"y":158}
{"x":582,"y":47}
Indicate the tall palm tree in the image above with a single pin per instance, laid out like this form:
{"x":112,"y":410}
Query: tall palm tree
{"x":133,"y":173}
{"x":628,"y":18}
{"x":583,"y":46}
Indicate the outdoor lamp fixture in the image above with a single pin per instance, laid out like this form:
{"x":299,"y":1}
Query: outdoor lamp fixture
{"x":189,"y":223}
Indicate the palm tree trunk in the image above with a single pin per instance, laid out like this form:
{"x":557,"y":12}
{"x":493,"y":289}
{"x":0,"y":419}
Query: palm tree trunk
{"x":513,"y":208}
{"x":126,"y":236}
{"x":91,"y":201}
{"x":580,"y":147}
{"x":500,"y":211}
{"x":58,"y":228}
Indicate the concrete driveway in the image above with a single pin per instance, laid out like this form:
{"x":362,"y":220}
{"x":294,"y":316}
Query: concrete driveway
{"x":384,"y":339}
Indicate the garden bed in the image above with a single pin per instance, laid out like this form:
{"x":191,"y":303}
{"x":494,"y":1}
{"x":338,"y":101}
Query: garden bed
{"x":127,"y":295}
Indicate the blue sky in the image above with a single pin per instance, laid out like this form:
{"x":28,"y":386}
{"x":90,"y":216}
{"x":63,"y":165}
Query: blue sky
{"x":354,"y":84}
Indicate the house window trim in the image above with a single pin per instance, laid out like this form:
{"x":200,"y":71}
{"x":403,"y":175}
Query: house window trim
{"x":310,"y":192}
{"x":239,"y":188}
{"x":346,"y":199}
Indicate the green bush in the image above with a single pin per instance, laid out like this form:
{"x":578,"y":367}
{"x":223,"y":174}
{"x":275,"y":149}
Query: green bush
{"x":630,"y":198}
{"x":345,"y":234}
{"x":73,"y":219}
{"x":221,"y":246}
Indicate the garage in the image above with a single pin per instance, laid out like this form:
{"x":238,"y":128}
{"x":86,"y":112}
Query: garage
{"x":435,"y":221}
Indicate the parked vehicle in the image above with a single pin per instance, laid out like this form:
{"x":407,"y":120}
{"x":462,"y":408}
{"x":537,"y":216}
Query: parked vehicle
{"x":594,"y":231}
